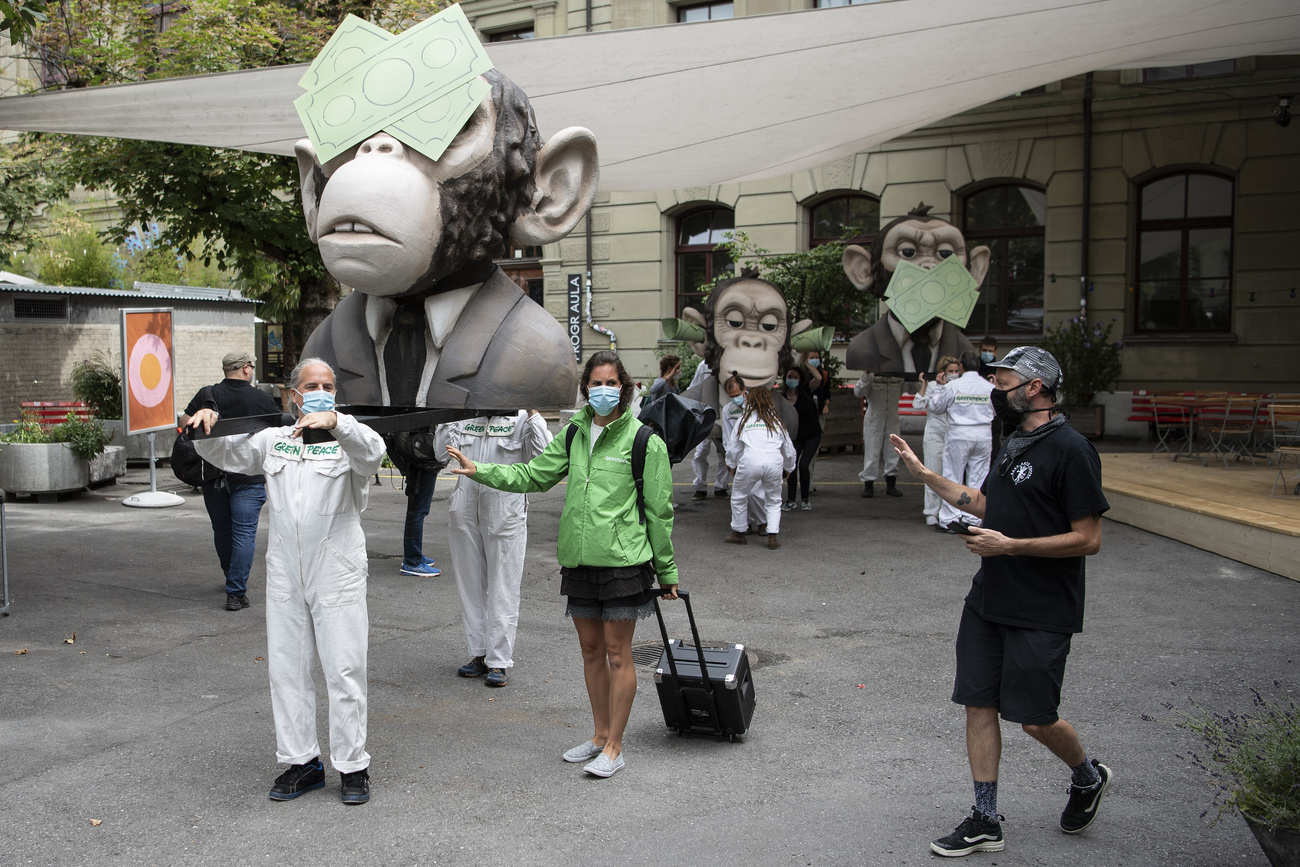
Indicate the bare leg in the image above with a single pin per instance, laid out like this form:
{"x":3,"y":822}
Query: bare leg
{"x":595,"y":669}
{"x":1061,"y":738}
{"x":621,"y":681}
{"x":983,"y":743}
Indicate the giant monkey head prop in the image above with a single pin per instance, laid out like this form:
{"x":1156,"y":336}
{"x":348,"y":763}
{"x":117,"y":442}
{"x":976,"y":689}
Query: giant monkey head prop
{"x":925,"y":242}
{"x":434,"y":322}
{"x":747,"y":329}
{"x":392,"y":222}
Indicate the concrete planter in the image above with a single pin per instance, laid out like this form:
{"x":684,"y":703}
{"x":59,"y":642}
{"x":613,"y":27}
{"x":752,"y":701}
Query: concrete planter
{"x":105,"y":468}
{"x":44,"y":469}
{"x":137,"y":445}
{"x":1281,"y":846}
{"x":1088,"y":420}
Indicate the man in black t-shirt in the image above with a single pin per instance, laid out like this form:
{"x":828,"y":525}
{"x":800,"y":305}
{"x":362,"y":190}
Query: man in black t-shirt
{"x":234,"y":501}
{"x":1041,"y":506}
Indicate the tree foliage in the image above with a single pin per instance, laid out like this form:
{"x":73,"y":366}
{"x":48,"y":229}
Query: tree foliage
{"x":26,"y":185}
{"x":236,"y":209}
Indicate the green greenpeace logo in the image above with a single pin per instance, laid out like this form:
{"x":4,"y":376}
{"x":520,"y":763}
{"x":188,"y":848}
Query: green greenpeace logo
{"x":287,"y":449}
{"x":321,"y":451}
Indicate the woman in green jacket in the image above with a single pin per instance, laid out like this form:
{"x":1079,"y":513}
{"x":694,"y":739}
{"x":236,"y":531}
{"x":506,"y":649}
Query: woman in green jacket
{"x":609,"y":561}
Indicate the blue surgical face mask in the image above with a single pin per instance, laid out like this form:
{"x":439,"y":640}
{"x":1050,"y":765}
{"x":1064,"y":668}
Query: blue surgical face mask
{"x":317,"y":401}
{"x":814,"y":362}
{"x":792,"y":383}
{"x":603,"y":398}
{"x":986,"y":357}
{"x":738,"y":400}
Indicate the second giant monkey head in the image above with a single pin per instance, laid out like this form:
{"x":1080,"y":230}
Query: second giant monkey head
{"x":918,"y":238}
{"x":390,"y":221}
{"x":747,"y":330}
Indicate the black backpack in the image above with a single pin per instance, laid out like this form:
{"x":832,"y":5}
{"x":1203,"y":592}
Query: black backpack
{"x":188,"y":466}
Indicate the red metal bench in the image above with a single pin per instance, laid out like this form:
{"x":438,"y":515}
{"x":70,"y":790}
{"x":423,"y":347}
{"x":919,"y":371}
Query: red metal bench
{"x":52,"y":412}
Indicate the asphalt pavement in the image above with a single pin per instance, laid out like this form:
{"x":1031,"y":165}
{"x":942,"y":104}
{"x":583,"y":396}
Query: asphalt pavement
{"x":135,"y":717}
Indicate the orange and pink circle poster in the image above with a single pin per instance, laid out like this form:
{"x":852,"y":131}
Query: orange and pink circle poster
{"x":147,"y":374}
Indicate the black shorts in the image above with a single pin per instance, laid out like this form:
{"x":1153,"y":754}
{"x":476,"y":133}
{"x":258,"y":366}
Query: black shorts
{"x":1018,"y":671}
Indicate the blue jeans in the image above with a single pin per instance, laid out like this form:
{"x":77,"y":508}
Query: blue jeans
{"x":419,"y":494}
{"x":234,"y":512}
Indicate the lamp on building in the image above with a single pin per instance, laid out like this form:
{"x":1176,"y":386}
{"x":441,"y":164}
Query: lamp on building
{"x":1282,"y":114}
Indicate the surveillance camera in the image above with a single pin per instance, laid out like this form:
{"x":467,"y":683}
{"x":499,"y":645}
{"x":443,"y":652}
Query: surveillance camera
{"x":1283,"y":112}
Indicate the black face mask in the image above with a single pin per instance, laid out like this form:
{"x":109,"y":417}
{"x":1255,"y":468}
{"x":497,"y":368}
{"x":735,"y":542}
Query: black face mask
{"x":1002,"y":408}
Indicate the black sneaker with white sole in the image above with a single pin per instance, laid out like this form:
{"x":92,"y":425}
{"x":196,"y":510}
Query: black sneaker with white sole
{"x":1081,"y":809}
{"x":976,"y":833}
{"x":356,"y":787}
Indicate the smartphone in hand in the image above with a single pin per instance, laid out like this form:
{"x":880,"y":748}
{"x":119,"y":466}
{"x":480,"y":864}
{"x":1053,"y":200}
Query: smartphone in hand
{"x":961,"y":528}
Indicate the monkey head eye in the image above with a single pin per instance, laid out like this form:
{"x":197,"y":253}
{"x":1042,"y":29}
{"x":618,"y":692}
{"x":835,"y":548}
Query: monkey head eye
{"x":735,"y":319}
{"x":769,"y":322}
{"x":945,"y":252}
{"x":907,"y":251}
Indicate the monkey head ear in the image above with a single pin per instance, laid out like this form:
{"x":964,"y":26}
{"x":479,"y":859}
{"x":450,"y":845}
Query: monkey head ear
{"x":979,"y":263}
{"x":695,"y":317}
{"x":311,"y":180}
{"x":857,"y":266}
{"x":567,"y":174}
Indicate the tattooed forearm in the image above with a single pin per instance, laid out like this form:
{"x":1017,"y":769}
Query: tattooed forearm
{"x":964,"y":499}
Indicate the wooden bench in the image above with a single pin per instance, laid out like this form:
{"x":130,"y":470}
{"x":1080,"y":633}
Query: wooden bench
{"x":53,"y":412}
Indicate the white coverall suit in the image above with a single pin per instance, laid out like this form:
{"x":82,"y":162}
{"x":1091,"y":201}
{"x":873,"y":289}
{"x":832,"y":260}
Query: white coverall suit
{"x":936,"y":434}
{"x":316,"y":571}
{"x":700,"y":457}
{"x":759,"y":457}
{"x":969,"y":447}
{"x":881,"y":420}
{"x":489,"y":530}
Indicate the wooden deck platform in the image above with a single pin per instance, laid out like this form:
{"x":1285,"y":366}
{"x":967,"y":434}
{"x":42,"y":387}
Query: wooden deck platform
{"x":1226,"y":511}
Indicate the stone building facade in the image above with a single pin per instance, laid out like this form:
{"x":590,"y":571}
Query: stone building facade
{"x":1193,"y":209}
{"x":46,"y":330}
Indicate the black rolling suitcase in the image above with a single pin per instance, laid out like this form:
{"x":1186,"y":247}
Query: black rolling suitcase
{"x":721,"y":703}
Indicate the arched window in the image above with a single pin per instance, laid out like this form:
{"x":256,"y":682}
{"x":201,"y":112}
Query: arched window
{"x":1184,"y":255}
{"x":698,"y":264}
{"x":835,"y":217}
{"x":1009,"y":220}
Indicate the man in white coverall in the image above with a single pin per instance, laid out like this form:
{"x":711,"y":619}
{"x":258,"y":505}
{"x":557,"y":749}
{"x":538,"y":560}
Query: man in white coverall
{"x":881,"y":419}
{"x":968,"y":449}
{"x":488,"y":535}
{"x":315,"y":576}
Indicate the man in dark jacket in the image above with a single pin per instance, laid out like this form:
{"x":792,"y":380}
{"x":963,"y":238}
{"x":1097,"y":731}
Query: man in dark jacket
{"x":234,"y":501}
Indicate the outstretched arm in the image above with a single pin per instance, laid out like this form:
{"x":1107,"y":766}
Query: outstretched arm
{"x":964,"y":498}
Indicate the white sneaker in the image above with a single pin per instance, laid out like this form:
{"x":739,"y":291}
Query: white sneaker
{"x":584,"y":753}
{"x":604,"y":766}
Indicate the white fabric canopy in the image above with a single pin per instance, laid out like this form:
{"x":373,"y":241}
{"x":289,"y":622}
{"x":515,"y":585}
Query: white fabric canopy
{"x":697,"y":104}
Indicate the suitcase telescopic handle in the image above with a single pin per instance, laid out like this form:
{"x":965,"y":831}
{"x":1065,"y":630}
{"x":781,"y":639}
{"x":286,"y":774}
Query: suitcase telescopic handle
{"x":695,"y":635}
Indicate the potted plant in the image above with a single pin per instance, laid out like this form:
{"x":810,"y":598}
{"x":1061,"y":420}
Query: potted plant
{"x":1253,"y":757}
{"x":66,"y":457}
{"x":1090,"y":362}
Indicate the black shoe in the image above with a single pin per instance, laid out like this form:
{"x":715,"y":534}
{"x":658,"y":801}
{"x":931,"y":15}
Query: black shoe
{"x":356,"y":787}
{"x":891,"y":487}
{"x":722,"y":492}
{"x":236,"y":603}
{"x":298,"y":780}
{"x":700,"y":495}
{"x":869,"y":491}
{"x":1081,"y":809}
{"x":976,"y":833}
{"x":474,"y":668}
{"x":496,"y":677}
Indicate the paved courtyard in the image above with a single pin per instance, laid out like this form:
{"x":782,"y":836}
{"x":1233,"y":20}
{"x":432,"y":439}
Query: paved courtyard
{"x":135,"y":716}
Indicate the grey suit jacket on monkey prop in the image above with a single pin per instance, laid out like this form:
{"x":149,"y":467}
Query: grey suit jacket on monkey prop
{"x":505,"y":351}
{"x":876,"y":350}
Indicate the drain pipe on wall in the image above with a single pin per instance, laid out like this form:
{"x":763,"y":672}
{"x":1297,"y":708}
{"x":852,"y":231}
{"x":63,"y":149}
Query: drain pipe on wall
{"x":613,"y":340}
{"x":1086,"y":221}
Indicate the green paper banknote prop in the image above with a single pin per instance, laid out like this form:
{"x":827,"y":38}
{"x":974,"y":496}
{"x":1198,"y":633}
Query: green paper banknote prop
{"x":420,"y":87}
{"x":818,"y":339}
{"x":947,"y":291}
{"x":680,"y":329}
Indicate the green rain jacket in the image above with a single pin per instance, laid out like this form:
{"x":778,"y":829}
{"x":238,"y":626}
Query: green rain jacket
{"x":599,"y":525}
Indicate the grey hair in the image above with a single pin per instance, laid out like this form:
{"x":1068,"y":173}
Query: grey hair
{"x":295,"y":376}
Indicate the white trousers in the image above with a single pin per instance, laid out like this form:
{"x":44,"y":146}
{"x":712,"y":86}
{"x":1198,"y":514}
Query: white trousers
{"x":761,"y":483}
{"x":487,"y":534}
{"x":932,"y":452}
{"x":967,"y":458}
{"x":324,"y":616}
{"x":880,"y":421}
{"x":700,"y":464}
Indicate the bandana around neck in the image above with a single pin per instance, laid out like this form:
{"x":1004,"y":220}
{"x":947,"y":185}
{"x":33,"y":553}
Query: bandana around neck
{"x":1020,"y":441}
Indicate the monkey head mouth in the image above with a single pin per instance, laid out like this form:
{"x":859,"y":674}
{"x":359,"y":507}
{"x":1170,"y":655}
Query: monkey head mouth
{"x":350,"y":230}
